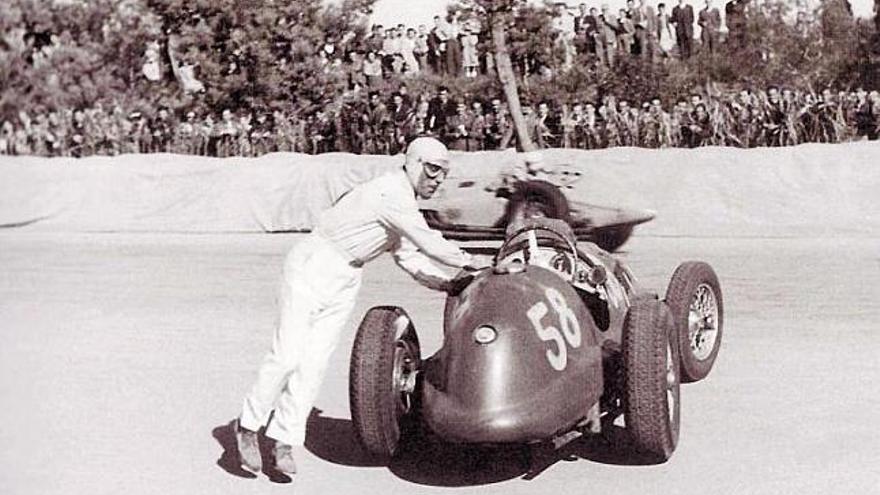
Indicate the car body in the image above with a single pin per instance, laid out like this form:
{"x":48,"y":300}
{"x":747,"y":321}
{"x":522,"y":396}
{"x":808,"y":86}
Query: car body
{"x":554,"y":341}
{"x":458,"y":216}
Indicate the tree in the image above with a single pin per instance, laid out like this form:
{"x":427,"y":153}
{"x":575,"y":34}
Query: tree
{"x":248,"y":53}
{"x":261,"y":52}
{"x":501,"y":17}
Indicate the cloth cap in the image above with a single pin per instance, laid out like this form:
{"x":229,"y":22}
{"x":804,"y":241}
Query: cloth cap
{"x":428,"y":149}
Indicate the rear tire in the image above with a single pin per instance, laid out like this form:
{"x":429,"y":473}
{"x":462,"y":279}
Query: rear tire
{"x":694,"y":297}
{"x":537,"y":198}
{"x":651,"y":399}
{"x":610,"y":239}
{"x":384,"y":362}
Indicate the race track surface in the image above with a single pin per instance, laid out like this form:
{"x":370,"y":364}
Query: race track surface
{"x":124,"y":357}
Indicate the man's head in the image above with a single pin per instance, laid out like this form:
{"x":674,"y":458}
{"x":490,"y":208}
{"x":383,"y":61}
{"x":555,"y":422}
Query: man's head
{"x":656,"y":105}
{"x":543,"y":108}
{"x":427,"y":163}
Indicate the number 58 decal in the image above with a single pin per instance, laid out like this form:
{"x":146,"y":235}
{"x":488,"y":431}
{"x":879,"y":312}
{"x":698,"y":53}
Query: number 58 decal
{"x":569,"y":331}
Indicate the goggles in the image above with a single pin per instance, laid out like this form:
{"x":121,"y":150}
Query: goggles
{"x":435,"y":170}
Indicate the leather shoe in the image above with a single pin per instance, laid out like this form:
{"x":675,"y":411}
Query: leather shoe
{"x":283,"y":454}
{"x":248,"y":448}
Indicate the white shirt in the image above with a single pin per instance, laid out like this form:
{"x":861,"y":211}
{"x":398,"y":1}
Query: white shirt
{"x":383,"y":215}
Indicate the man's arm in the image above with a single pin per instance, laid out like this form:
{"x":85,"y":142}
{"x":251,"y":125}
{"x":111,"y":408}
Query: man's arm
{"x":419,"y":266}
{"x":404,"y":218}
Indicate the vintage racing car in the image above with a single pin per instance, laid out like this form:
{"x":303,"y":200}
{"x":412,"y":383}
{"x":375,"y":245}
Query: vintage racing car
{"x":525,"y":194}
{"x":551,"y":343}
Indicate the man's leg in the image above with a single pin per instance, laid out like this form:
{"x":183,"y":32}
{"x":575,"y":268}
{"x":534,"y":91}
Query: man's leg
{"x":282,"y":360}
{"x":301,"y":389}
{"x":316,"y":297}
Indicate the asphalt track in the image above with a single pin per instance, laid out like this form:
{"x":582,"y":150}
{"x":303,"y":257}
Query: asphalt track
{"x":124,"y":357}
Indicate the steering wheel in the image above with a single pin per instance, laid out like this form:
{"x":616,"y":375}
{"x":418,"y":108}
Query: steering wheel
{"x":565,"y":263}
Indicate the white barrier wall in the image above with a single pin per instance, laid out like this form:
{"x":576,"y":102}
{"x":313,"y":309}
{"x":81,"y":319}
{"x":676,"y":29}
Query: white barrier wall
{"x":804,"y":190}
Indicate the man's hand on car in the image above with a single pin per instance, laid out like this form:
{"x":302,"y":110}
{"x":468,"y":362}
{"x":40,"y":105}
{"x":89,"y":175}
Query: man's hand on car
{"x":479,"y":262}
{"x":459,"y":283}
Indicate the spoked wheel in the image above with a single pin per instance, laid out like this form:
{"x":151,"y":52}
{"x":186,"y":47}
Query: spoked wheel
{"x":694,"y":297}
{"x":385,"y":362}
{"x":651,"y":384}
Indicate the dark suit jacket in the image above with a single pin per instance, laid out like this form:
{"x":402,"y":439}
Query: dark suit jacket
{"x":438,"y":113}
{"x":683,"y":18}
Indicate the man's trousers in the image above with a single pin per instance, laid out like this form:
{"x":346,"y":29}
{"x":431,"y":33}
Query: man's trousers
{"x":317,"y":294}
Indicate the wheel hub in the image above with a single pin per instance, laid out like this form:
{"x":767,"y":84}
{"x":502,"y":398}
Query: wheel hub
{"x":404,"y":376}
{"x":703,"y":321}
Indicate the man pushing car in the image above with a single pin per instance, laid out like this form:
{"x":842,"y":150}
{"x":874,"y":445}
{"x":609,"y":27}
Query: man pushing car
{"x":322,"y":275}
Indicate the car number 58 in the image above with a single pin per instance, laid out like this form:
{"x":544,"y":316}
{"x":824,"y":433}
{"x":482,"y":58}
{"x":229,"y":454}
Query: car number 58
{"x":568,"y":333}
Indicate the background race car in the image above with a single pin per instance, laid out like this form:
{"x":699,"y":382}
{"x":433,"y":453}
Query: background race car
{"x":526,"y":193}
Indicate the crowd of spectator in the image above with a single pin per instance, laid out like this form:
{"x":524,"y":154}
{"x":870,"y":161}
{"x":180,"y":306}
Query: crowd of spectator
{"x":656,"y":32}
{"x":365,"y":120}
{"x":369,"y":123}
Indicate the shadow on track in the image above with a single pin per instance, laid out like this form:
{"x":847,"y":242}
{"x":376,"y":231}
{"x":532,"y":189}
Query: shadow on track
{"x":421,"y":459}
{"x":424,"y":459}
{"x":229,"y":459}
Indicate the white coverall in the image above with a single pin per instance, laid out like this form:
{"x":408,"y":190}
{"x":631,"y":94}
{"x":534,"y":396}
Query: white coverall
{"x":322,"y":275}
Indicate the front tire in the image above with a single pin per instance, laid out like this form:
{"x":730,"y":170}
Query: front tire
{"x":694,"y":296}
{"x":651,"y":385}
{"x":385,"y":360}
